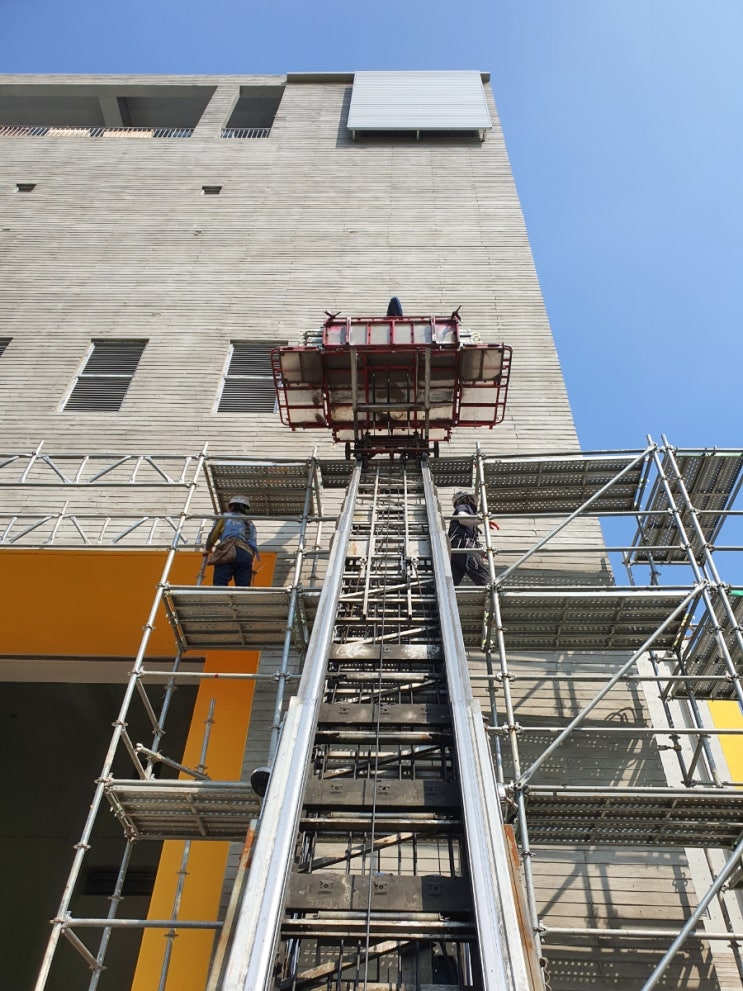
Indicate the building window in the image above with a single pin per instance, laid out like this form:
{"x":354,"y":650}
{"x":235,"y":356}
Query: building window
{"x":248,"y":382}
{"x":4,"y":342}
{"x":25,"y":187}
{"x":102,"y":384}
{"x":211,"y":190}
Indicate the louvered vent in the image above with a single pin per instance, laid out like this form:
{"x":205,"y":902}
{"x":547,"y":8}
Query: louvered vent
{"x":248,"y":385}
{"x":4,"y":342}
{"x":102,"y":384}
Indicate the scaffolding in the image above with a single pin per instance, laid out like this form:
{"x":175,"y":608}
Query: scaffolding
{"x":679,"y":645}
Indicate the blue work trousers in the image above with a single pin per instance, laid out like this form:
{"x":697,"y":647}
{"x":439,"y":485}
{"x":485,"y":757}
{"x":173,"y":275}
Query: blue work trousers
{"x":241,"y":569}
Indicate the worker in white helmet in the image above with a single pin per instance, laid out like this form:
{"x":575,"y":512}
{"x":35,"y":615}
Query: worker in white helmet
{"x":464,"y":531}
{"x":232,"y":545}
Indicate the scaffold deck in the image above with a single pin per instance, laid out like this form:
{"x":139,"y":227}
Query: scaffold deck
{"x":275,"y":489}
{"x":227,"y":618}
{"x":202,"y":810}
{"x":591,"y":619}
{"x":634,"y":817}
{"x":562,"y":484}
{"x":712,"y":480}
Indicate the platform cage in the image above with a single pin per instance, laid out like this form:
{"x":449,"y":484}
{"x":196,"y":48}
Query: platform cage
{"x":391,"y":384}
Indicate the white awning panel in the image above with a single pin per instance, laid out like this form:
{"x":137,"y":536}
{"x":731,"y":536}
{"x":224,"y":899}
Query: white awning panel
{"x":430,"y":101}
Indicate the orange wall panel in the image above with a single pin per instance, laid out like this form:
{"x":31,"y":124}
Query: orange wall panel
{"x":92,"y":603}
{"x":86,"y":602}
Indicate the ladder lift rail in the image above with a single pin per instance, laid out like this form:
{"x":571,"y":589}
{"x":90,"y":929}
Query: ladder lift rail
{"x":249,"y":962}
{"x":503,"y":961}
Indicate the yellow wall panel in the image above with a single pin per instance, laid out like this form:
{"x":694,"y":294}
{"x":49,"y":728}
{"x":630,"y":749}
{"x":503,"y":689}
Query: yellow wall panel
{"x":727,"y":715}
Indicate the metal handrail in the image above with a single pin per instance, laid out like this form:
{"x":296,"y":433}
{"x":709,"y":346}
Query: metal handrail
{"x":245,"y":132}
{"x":77,"y":131}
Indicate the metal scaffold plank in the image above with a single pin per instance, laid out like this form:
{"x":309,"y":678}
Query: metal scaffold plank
{"x":335,"y":474}
{"x":561,"y":484}
{"x":274,"y":488}
{"x":702,"y":659}
{"x":455,"y":472}
{"x":591,"y":619}
{"x":207,"y":810}
{"x":659,"y":817}
{"x":712,"y":480}
{"x":474,"y":613}
{"x":227,"y":618}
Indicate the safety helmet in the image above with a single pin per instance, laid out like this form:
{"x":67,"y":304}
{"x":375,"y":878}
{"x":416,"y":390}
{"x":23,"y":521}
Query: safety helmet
{"x":464,"y":496}
{"x":239,"y":500}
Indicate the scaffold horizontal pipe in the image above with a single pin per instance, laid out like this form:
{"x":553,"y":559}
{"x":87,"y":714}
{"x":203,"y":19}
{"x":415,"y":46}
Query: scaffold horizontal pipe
{"x":619,"y":934}
{"x":608,"y":730}
{"x":212,"y":675}
{"x":661,"y":678}
{"x":91,"y":923}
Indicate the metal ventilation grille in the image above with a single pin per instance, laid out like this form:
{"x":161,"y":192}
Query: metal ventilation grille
{"x":248,"y":384}
{"x":102,"y":384}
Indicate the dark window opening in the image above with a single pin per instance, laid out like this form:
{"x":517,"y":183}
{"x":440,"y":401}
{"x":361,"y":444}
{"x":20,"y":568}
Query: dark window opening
{"x":55,"y":108}
{"x":211,"y":190}
{"x":255,"y":111}
{"x":25,"y":187}
{"x":139,"y":881}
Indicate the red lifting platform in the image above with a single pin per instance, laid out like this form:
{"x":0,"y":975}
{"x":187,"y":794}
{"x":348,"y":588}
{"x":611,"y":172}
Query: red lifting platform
{"x":389,"y":384}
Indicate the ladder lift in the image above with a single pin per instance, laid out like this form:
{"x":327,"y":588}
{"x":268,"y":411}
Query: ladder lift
{"x":382,"y":859}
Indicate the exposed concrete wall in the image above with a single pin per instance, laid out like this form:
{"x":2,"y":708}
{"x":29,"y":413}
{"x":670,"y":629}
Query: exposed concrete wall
{"x":117,"y":240}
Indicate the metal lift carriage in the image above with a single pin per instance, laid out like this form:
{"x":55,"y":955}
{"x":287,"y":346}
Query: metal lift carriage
{"x":392,"y":385}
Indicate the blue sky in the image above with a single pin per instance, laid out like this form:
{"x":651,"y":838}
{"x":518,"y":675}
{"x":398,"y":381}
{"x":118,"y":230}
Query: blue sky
{"x":624,"y":124}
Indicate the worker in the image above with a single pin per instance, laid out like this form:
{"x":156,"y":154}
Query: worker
{"x":464,"y":531}
{"x":232,"y":544}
